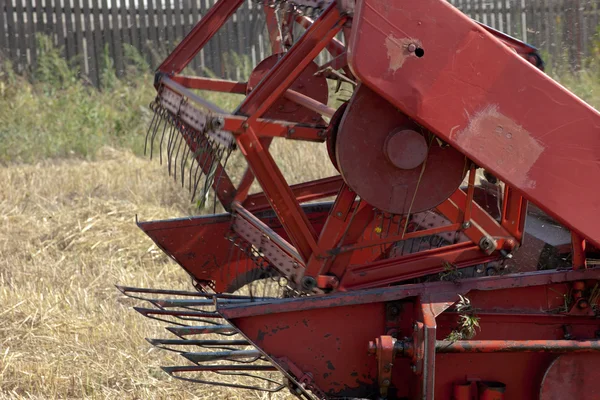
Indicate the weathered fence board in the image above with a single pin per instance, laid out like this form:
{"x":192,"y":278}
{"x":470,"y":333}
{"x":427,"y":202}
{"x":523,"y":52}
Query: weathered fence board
{"x":565,"y":30}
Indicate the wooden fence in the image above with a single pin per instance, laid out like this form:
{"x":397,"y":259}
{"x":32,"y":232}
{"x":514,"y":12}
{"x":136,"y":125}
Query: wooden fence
{"x":92,"y":31}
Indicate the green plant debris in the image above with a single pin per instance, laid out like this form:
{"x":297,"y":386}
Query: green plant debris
{"x":468,"y":322}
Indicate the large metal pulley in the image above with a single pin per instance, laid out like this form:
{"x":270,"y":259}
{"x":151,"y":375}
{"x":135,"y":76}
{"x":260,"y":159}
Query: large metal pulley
{"x":391,"y":162}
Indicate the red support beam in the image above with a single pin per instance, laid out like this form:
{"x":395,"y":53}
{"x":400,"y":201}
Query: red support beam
{"x":210,"y":23}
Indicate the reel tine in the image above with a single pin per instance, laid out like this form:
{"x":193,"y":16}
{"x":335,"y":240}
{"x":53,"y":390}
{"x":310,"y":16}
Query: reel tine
{"x":196,"y":140}
{"x":204,"y":151}
{"x":156,"y":127}
{"x":171,"y":371}
{"x":219,"y":180}
{"x":152,"y":106}
{"x":170,"y":146}
{"x":162,"y":138}
{"x":181,"y":138}
{"x":184,"y":159}
{"x":210,"y":175}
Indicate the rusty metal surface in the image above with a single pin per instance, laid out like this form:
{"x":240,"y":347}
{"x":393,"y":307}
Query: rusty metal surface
{"x":572,"y":376}
{"x":331,"y":343}
{"x":200,"y":245}
{"x":361,"y":157}
{"x":477,"y":94}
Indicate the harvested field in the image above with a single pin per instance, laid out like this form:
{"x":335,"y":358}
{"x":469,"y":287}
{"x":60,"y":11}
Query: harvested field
{"x":67,"y":236}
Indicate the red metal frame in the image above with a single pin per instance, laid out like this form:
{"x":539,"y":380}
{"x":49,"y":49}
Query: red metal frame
{"x":338,"y":256}
{"x":334,"y":247}
{"x":522,"y":334}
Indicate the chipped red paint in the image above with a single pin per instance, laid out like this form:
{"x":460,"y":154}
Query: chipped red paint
{"x":467,"y":80}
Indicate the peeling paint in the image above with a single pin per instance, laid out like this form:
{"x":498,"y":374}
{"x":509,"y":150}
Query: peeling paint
{"x":504,"y":145}
{"x":397,"y":50}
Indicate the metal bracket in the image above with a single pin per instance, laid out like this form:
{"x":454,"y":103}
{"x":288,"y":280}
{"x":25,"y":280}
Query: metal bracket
{"x":304,"y":379}
{"x":385,"y":351}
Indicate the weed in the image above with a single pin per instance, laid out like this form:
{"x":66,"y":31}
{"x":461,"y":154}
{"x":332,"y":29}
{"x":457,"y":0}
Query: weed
{"x":468,"y":321}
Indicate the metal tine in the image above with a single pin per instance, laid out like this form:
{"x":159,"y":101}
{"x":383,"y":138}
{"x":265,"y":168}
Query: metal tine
{"x":215,"y":368}
{"x":167,"y":303}
{"x":170,"y":145}
{"x":176,"y":313}
{"x":237,"y":355}
{"x":196,"y":180}
{"x":219,"y":368}
{"x":162,"y":136}
{"x":164,"y":344}
{"x":262,"y":378}
{"x":176,"y":144}
{"x":156,"y":128}
{"x":171,"y":292}
{"x":152,"y":106}
{"x":181,"y":331}
{"x":209,"y":175}
{"x":205,"y":149}
{"x":180,"y":315}
{"x":194,"y":161}
{"x":182,"y":139}
{"x":219,"y":181}
{"x":196,"y":342}
{"x":184,"y":157}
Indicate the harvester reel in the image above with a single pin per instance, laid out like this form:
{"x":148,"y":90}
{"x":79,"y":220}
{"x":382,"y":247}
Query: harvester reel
{"x":391,"y":162}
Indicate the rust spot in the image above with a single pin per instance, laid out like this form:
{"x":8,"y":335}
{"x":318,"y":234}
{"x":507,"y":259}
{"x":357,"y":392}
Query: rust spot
{"x":279,"y":328}
{"x":508,"y":148}
{"x":397,"y":50}
{"x":330,"y":366}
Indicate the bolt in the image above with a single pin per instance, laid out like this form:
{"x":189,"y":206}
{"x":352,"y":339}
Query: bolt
{"x":415,"y":327}
{"x":291,"y":131}
{"x":466,"y":225}
{"x":339,"y":214}
{"x":413,"y":368}
{"x":582,"y":304}
{"x":386,"y":382}
{"x":309,"y":283}
{"x":506,"y":254}
{"x":394,"y":311}
{"x":486,"y":243}
{"x":411,"y":48}
{"x":245,"y":125}
{"x":321,"y":133}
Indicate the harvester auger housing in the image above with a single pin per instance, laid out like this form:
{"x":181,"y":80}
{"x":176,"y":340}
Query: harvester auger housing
{"x":458,"y":259}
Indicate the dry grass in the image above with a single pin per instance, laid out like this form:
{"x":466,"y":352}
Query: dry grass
{"x":67,"y":235}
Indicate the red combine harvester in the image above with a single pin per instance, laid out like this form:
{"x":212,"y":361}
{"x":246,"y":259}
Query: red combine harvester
{"x":453,"y":257}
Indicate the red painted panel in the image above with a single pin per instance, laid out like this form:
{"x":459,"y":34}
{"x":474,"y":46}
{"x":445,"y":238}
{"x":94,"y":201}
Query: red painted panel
{"x":485,"y":100}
